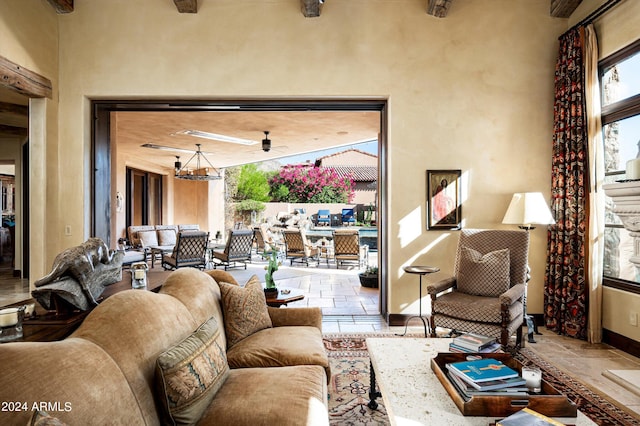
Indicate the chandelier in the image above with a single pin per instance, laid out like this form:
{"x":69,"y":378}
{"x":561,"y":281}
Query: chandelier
{"x":199,"y":170}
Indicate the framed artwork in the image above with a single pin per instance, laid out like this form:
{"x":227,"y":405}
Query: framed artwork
{"x":443,"y":198}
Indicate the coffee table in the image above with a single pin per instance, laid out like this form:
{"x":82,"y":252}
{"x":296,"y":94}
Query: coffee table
{"x":412,"y":393}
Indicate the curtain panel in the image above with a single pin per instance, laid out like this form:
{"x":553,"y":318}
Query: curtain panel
{"x":566,"y":295}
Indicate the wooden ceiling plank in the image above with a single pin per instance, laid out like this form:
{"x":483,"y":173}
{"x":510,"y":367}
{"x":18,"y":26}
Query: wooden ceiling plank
{"x":438,"y":8}
{"x":563,"y":8}
{"x":310,"y":8}
{"x":15,"y":109}
{"x":62,"y":6}
{"x":187,"y":6}
{"x":13,"y":131}
{"x":23,"y":80}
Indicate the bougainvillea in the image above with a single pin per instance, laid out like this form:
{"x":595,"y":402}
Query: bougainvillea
{"x":310,"y":184}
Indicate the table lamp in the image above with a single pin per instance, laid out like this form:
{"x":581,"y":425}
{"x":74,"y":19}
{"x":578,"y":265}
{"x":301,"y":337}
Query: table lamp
{"x":525,"y":210}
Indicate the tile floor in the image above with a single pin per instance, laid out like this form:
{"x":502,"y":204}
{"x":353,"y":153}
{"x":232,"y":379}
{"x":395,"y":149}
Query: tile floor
{"x":350,"y":308}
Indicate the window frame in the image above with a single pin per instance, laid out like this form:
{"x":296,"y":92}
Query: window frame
{"x":623,"y":109}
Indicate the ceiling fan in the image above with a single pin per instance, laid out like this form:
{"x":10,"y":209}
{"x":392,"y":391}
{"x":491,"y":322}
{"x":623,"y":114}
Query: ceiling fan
{"x":266,"y":144}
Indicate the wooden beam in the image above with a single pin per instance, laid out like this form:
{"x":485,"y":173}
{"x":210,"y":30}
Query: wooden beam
{"x":13,"y":131}
{"x":563,"y":8}
{"x":14,"y":109}
{"x":62,"y":6}
{"x":438,"y":8}
{"x":187,"y":6}
{"x":23,"y":80}
{"x":310,"y":8}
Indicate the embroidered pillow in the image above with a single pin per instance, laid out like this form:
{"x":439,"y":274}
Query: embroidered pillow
{"x":167,"y":237}
{"x":148,"y":238}
{"x":245,"y":310}
{"x":483,"y":275}
{"x":189,"y":374}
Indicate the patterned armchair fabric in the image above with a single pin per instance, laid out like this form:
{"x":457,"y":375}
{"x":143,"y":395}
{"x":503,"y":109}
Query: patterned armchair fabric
{"x":190,"y":250}
{"x":237,"y":250}
{"x":298,"y":248}
{"x":488,"y":284}
{"x":347,"y":248}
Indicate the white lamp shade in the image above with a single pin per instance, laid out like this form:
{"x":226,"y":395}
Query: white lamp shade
{"x":528,"y":208}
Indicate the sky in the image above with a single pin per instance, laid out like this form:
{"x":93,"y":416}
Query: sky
{"x":629,"y":130}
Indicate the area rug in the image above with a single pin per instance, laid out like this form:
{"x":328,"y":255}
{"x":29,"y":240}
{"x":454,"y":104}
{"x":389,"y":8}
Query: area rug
{"x":349,"y":386}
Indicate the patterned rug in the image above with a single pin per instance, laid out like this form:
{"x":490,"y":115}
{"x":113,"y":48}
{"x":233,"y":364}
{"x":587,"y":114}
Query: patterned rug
{"x":349,"y":387}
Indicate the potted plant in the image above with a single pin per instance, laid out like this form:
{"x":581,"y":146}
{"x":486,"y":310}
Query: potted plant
{"x":270,"y":289}
{"x":369,"y":278}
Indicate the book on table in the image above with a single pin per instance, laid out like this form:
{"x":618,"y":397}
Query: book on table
{"x":511,"y":384}
{"x":528,"y":417}
{"x":473,"y":341}
{"x":494,"y":347}
{"x":482,"y":370}
{"x":467,"y":391}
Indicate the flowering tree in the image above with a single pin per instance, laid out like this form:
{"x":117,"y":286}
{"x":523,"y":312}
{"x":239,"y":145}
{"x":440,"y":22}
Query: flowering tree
{"x":310,"y":184}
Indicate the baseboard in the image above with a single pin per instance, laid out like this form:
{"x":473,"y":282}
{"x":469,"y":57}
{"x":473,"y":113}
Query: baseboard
{"x":397,"y":320}
{"x":16,"y":273}
{"x":618,"y":341}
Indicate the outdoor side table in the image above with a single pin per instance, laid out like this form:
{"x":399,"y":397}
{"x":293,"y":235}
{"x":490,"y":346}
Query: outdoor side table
{"x":420,"y":270}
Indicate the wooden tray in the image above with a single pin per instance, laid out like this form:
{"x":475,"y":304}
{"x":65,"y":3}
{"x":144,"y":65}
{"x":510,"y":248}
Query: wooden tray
{"x":549,"y":402}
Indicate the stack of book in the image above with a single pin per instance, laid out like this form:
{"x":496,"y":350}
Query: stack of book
{"x":486,"y":376}
{"x":471,"y":342}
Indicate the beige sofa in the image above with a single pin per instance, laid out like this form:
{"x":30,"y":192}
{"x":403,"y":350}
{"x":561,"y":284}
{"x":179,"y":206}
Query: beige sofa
{"x":116,"y":368}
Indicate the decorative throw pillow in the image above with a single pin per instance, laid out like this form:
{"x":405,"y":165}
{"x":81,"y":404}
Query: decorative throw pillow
{"x":167,"y":237}
{"x":148,"y":238}
{"x":189,"y":374}
{"x":245,"y":310}
{"x":484,"y":275}
{"x":42,"y":418}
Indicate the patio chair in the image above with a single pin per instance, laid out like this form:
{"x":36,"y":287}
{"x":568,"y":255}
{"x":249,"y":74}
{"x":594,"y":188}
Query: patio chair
{"x":347,"y":248}
{"x":323,"y":217}
{"x":348,"y":217}
{"x":297,"y":248}
{"x":265,"y":242}
{"x":485,"y":294}
{"x":236,"y":251}
{"x":190,"y":250}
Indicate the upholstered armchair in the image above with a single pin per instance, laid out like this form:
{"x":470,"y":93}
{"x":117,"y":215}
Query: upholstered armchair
{"x":485,"y":293}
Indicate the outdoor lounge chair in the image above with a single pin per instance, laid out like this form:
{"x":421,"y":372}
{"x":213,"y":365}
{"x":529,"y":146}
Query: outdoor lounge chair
{"x":190,"y":250}
{"x":323,"y":217}
{"x":265,"y":243}
{"x":236,"y":251}
{"x":347,"y":248}
{"x":297,"y":248}
{"x":348,"y":217}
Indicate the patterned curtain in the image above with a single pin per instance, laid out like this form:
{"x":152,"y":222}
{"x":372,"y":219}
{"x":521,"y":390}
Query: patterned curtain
{"x":566,"y":292}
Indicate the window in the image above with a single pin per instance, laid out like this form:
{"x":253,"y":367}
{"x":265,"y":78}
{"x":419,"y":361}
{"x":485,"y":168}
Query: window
{"x":144,"y":198}
{"x":620,"y":83}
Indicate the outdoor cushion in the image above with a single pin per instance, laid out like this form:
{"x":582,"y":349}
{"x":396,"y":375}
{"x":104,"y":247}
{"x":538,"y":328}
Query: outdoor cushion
{"x":148,"y":238}
{"x":166,"y":237}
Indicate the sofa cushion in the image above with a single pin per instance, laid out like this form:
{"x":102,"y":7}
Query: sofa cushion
{"x":148,"y":238}
{"x":189,"y":374}
{"x":166,"y":237}
{"x":285,"y":396}
{"x":42,"y":418}
{"x":280,"y":346}
{"x":483,"y":275}
{"x":245,"y":310}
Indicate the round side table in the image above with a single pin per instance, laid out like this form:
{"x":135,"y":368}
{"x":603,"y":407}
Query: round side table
{"x":419,"y":270}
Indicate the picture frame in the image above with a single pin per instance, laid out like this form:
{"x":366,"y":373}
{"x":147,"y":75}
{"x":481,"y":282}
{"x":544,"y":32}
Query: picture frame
{"x":444,"y":200}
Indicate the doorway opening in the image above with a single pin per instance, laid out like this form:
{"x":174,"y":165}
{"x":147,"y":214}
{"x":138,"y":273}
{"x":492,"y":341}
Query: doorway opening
{"x":246,"y":114}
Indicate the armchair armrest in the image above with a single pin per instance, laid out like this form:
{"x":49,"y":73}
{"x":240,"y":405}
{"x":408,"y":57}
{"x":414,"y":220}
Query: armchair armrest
{"x":514,"y":293}
{"x":311,"y":316}
{"x":440,"y":286}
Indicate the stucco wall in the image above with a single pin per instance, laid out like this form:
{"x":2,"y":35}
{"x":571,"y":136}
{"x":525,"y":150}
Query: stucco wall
{"x":472,"y":91}
{"x":29,"y":37}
